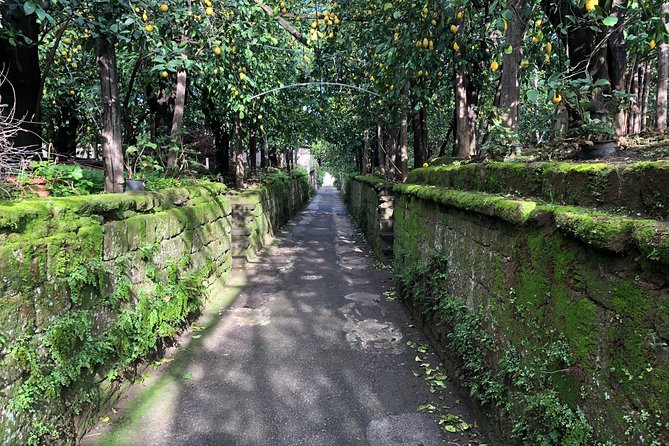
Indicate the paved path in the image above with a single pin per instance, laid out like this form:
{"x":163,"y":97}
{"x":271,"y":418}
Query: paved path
{"x":310,"y":353}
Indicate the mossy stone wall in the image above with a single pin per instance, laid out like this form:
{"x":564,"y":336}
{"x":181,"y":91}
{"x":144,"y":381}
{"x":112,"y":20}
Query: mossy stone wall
{"x":370,"y":201}
{"x":639,"y":187}
{"x":91,"y":286}
{"x":565,"y":329}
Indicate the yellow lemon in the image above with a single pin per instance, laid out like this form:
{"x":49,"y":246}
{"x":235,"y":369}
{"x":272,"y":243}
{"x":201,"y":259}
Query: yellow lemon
{"x":549,"y":48}
{"x":556,"y":99}
{"x":460,"y":15}
{"x":494,"y":66}
{"x":524,"y":64}
{"x":651,"y":44}
{"x":149,"y":28}
{"x":67,"y":41}
{"x":209,"y":10}
{"x":425,"y":164}
{"x":426,"y":43}
{"x":538,"y":23}
{"x":218,"y":51}
{"x":164,"y":74}
{"x":456,"y":47}
{"x":164,"y":7}
{"x":72,"y":92}
{"x":433,"y":22}
{"x":454,"y":29}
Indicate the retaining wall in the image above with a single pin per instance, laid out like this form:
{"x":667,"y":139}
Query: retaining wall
{"x":557,"y":317}
{"x":91,"y":286}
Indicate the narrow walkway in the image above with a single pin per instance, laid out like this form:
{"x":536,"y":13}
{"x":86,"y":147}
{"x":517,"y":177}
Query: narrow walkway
{"x":311,"y":353}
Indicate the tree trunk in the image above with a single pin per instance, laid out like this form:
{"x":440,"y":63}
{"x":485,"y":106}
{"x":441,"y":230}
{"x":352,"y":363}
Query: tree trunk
{"x":22,"y":84}
{"x":617,"y":66}
{"x":253,"y":150}
{"x":239,"y":153}
{"x":112,"y":150}
{"x":419,"y":141}
{"x":465,"y":141}
{"x":509,"y":84}
{"x":662,"y":75}
{"x":177,"y":118}
{"x":644,"y":97}
{"x":365,"y":152}
{"x":403,"y":152}
{"x":264,"y":152}
{"x":380,"y":149}
{"x":391,"y":154}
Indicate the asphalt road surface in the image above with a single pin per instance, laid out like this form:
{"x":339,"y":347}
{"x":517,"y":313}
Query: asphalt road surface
{"x":311,"y":352}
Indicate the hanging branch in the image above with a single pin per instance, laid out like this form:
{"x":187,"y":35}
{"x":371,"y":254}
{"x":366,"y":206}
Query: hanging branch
{"x":284,"y":24}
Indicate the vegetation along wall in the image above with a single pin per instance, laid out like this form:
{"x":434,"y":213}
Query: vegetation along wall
{"x":90,"y":286}
{"x":554,"y":309}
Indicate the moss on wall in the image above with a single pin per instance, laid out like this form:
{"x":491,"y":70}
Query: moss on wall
{"x":92,"y":285}
{"x":556,"y":314}
{"x":641,"y":187}
{"x":574,"y":353}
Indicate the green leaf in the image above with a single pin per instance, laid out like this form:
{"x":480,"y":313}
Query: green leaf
{"x":387,"y":6}
{"x":29,"y":7}
{"x":187,"y":376}
{"x":397,"y":15}
{"x":508,"y":49}
{"x":610,"y":20}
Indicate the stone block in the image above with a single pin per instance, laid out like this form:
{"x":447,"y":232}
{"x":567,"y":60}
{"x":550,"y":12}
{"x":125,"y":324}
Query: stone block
{"x":115,"y":240}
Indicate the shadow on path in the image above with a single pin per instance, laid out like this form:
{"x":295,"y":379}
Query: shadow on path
{"x":310,"y":353}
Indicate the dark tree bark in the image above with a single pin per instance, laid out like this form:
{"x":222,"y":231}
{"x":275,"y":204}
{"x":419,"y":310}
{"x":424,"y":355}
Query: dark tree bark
{"x":65,"y":135}
{"x":112,"y":150}
{"x":420,"y":149}
{"x":253,"y":150}
{"x":23,"y":79}
{"x":264,"y":152}
{"x":239,"y":153}
{"x":364,"y":167}
{"x":508,"y":98}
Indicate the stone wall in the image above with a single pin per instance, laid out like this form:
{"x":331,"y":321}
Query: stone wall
{"x":557,"y":317}
{"x":370,"y":201}
{"x":91,"y":286}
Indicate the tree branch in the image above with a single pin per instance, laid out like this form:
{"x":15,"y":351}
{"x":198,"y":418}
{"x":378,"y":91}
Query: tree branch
{"x":284,"y":24}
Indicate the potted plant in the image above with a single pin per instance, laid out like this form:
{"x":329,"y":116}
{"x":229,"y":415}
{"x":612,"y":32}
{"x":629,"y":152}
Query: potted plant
{"x":138,"y":162}
{"x":597,"y":137}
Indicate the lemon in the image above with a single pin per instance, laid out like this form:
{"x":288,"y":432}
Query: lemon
{"x":282,"y":4}
{"x":651,"y":44}
{"x":149,"y":28}
{"x":556,"y":99}
{"x":538,"y":23}
{"x":218,"y":51}
{"x":454,"y":29}
{"x":72,"y":92}
{"x":426,"y":43}
{"x":524,"y":64}
{"x":425,"y":164}
{"x":164,"y":7}
{"x":433,"y":22}
{"x":549,"y":48}
{"x":431,"y":45}
{"x":67,"y":41}
{"x":494,"y":66}
{"x":74,"y":65}
{"x":456,"y":47}
{"x":209,"y":10}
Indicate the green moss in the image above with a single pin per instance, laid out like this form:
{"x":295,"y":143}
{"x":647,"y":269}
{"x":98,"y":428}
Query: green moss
{"x":515,"y":211}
